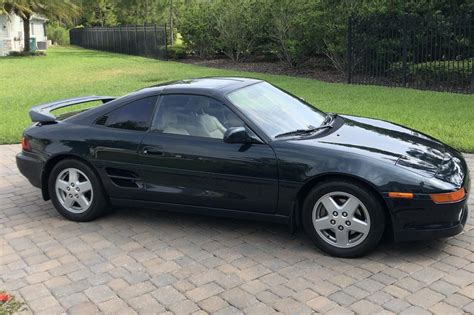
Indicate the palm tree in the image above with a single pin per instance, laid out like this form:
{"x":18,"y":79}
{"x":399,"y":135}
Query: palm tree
{"x":25,"y":9}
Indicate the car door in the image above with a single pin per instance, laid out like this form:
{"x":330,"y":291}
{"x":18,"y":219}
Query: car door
{"x":115,"y":142}
{"x":185,"y":160}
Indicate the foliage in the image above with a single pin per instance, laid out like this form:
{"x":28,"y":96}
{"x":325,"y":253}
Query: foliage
{"x":293,"y":29}
{"x":176,"y":51}
{"x":442,"y":115}
{"x":9,"y":304}
{"x":233,"y":28}
{"x":238,"y":24}
{"x":198,"y":29}
{"x":99,"y":12}
{"x":27,"y":53}
{"x":57,"y":34}
{"x":436,"y":71}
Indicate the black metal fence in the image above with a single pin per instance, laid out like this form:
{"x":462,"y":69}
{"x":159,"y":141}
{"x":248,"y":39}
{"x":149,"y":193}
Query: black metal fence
{"x":144,"y":40}
{"x":419,"y":52}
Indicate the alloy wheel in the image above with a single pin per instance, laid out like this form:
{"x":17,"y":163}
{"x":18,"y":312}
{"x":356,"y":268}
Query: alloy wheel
{"x":341,"y":219}
{"x":74,"y":190}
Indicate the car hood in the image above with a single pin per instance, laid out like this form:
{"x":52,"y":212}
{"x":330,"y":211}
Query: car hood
{"x":402,"y":146}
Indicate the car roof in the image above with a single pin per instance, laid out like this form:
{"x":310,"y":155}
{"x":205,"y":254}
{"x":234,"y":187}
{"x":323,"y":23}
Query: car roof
{"x":207,"y":85}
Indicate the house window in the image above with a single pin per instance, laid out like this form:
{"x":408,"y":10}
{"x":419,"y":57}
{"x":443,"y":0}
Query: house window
{"x":32,"y":27}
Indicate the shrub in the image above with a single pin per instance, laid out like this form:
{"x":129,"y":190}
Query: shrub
{"x":27,"y":53}
{"x":177,"y":51}
{"x":198,"y":28}
{"x":293,"y":29}
{"x":239,"y":25}
{"x":433,"y":71}
{"x":57,"y":34}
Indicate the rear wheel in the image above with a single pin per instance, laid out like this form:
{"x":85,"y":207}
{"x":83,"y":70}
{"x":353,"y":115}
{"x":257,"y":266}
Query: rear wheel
{"x":76,"y":191}
{"x":343,"y":219}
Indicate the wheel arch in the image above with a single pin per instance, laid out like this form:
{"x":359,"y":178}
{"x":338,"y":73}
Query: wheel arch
{"x":316,"y":180}
{"x":55,"y":160}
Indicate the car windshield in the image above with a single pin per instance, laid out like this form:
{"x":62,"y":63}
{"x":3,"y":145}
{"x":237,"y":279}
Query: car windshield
{"x":275,"y":111}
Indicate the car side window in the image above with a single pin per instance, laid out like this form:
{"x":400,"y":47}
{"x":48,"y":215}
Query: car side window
{"x":194,"y":115}
{"x":133,"y":116}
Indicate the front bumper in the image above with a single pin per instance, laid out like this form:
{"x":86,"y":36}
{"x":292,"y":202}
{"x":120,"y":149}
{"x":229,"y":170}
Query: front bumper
{"x":424,"y":220}
{"x":31,"y":167}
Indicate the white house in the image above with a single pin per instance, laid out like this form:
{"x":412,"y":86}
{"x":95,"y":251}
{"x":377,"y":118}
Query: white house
{"x":12,"y":36}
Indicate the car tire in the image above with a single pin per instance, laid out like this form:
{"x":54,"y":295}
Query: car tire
{"x":65,"y":182}
{"x":343,"y":218}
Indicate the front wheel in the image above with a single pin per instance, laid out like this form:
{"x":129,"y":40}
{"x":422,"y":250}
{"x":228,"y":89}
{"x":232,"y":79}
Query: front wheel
{"x":343,"y":219}
{"x":75,"y":191}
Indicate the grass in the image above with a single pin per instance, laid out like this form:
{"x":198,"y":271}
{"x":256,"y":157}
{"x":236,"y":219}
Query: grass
{"x":68,"y":72}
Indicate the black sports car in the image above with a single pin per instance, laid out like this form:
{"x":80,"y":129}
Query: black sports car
{"x":244,"y":148}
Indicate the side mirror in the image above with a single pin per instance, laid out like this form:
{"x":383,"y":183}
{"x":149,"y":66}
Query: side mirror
{"x":237,"y":135}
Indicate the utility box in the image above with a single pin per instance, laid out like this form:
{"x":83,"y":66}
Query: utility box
{"x":33,"y":44}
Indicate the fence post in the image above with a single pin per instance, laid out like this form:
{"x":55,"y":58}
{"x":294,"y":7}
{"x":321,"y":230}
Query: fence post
{"x":144,"y":37}
{"x":154,"y":40}
{"x":128,"y":39}
{"x":405,"y":50}
{"x":166,"y":43}
{"x":136,"y":40}
{"x":472,"y":77}
{"x":349,"y":50}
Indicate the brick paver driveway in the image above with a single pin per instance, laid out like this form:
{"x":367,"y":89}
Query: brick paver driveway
{"x":152,"y":262}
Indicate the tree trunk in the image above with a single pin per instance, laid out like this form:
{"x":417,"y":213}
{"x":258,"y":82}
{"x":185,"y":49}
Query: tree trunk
{"x":26,"y":33}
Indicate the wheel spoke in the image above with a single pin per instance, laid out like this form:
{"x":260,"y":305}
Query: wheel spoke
{"x":73,"y":176}
{"x":62,"y":184}
{"x":330,"y":204}
{"x":323,"y":223}
{"x":84,"y":186}
{"x":342,"y":237}
{"x":359,"y":226}
{"x":350,"y":206}
{"x":83,"y":202}
{"x":68,"y":202}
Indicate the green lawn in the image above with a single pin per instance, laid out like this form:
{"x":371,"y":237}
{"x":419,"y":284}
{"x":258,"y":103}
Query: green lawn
{"x":68,"y":72}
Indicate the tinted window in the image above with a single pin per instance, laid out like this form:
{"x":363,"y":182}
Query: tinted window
{"x":134,"y":116}
{"x":194,"y":115}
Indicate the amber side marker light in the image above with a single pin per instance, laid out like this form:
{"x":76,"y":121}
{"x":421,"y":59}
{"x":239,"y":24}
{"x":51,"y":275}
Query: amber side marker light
{"x":403,"y":195}
{"x":449,"y":197}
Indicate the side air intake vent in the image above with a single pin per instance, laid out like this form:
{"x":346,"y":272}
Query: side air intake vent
{"x":124,"y":178}
{"x":101,"y":121}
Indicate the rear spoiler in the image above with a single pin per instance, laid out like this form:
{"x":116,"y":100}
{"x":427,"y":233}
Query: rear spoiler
{"x":42,"y":113}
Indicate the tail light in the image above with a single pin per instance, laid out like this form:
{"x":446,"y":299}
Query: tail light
{"x":449,"y":197}
{"x":25,"y":145}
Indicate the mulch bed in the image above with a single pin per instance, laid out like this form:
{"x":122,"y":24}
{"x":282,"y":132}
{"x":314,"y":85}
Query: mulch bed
{"x":311,"y":69}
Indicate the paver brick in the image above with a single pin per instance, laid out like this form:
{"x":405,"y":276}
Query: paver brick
{"x":425,"y":298}
{"x":443,"y":308}
{"x":100,"y":293}
{"x":396,"y":305}
{"x":145,"y":261}
{"x":213,"y":304}
{"x":167,"y":295}
{"x":203,"y":292}
{"x":291,"y":306}
{"x":365,"y":307}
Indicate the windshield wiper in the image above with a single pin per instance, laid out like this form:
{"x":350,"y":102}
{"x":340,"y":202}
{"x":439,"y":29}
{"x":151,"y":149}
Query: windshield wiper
{"x":327,"y":123}
{"x":329,"y":118}
{"x":303,"y":131}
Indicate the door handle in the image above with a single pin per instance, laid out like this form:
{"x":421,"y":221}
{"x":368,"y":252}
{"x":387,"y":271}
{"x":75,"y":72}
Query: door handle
{"x":152,"y":151}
